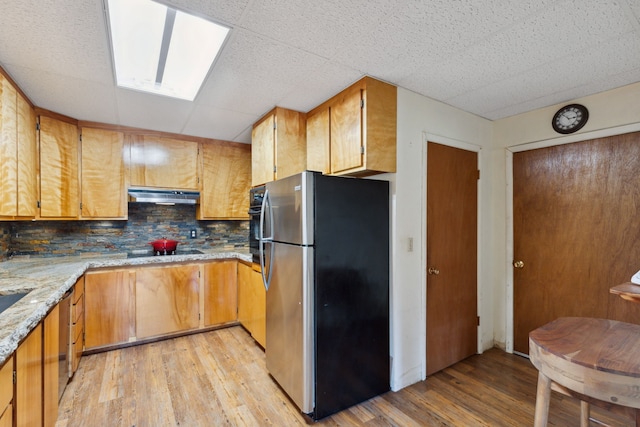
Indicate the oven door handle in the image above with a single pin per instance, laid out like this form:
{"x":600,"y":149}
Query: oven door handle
{"x":263,"y":240}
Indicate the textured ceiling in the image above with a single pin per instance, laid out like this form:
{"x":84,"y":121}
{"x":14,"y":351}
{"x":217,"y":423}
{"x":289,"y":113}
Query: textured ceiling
{"x":493,"y":58}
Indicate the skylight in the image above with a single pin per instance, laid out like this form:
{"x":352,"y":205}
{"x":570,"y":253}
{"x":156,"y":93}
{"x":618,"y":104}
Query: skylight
{"x":162,"y":50}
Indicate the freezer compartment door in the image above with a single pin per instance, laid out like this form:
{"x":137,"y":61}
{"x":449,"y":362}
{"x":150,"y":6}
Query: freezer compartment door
{"x":291,"y":209}
{"x":289,"y":348}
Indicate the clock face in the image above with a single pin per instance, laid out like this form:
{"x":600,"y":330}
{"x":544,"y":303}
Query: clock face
{"x":570,"y":118}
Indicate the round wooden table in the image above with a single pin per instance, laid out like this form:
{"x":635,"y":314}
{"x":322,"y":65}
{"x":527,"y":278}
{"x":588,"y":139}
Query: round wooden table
{"x":595,"y":360}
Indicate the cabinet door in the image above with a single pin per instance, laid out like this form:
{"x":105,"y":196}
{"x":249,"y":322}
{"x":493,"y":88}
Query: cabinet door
{"x":167,"y":300}
{"x":6,"y":393}
{"x":290,"y":143}
{"x":263,"y":151}
{"x":28,"y":398}
{"x":220,"y":292}
{"x":77,"y":324}
{"x":27,"y":159}
{"x":50,"y":366}
{"x":8,"y":148}
{"x":109,"y":306}
{"x":103,"y":174}
{"x":58,"y":169}
{"x":164,"y":163}
{"x":252,"y":303}
{"x":318,"y":142}
{"x":226,"y":176}
{"x":346,"y":131}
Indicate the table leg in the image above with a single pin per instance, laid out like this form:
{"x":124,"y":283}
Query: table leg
{"x":584,"y":414}
{"x":543,"y":395}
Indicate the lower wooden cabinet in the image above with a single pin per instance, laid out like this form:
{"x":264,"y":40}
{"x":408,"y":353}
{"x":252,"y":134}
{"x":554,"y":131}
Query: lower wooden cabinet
{"x":109,"y":310}
{"x":28,"y":398}
{"x":77,"y":324}
{"x":220,"y":292}
{"x":252,"y":303}
{"x":51,"y":368}
{"x":6,"y":393}
{"x":167,"y":300}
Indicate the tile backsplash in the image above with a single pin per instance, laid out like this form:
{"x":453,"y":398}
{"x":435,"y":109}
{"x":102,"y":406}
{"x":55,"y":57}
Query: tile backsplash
{"x":147,"y":222}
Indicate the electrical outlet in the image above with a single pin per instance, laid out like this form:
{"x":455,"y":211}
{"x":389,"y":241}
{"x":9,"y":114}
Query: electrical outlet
{"x":194,"y":234}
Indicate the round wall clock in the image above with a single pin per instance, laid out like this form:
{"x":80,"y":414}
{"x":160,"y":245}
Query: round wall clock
{"x":570,"y":118}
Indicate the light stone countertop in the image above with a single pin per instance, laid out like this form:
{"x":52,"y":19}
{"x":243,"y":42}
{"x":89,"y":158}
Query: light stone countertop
{"x":47,"y":280}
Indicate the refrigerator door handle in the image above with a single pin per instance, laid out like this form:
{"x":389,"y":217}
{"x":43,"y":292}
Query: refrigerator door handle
{"x":266,"y":204}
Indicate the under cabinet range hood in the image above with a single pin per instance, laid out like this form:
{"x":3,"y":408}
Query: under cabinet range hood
{"x":169,"y":197}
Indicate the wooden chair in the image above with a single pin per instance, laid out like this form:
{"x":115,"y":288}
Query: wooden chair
{"x":594,"y":360}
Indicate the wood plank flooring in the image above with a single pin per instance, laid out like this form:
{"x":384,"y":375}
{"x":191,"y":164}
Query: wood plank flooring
{"x":219,"y":378}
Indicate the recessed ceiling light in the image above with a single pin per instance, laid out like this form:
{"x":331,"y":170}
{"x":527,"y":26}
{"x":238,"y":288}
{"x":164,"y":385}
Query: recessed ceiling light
{"x":162,"y":50}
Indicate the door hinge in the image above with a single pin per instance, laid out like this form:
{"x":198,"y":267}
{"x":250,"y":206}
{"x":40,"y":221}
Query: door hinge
{"x":478,"y":320}
{"x":362,"y":103}
{"x":80,"y":206}
{"x":275,"y":169}
{"x":15,"y":377}
{"x":80,"y":137}
{"x":38,"y":204}
{"x":362,"y":149}
{"x":478,"y":173}
{"x":37,"y":126}
{"x":275,"y":125}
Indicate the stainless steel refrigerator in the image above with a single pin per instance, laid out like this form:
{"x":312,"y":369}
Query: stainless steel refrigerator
{"x":324,"y":250}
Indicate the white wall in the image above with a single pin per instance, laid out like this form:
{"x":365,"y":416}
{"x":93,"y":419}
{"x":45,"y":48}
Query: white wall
{"x":419,"y":118}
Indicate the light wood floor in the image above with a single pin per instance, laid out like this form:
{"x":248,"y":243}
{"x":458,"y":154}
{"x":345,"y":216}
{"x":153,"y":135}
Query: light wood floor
{"x":219,"y":378}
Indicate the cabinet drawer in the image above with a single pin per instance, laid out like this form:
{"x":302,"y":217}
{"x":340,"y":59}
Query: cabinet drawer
{"x":6,"y":387}
{"x":78,"y":291}
{"x":76,"y":353}
{"x":76,"y":330}
{"x":77,"y":310}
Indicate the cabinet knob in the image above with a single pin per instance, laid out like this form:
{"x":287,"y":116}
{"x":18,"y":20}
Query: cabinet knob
{"x":433,"y":271}
{"x":518,"y":264}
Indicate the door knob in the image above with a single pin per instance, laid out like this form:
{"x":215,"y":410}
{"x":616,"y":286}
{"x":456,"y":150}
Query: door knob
{"x":433,"y":271}
{"x":518,"y":264}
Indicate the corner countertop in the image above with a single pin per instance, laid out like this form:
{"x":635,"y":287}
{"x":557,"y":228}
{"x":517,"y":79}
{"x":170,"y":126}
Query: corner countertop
{"x":47,"y":279}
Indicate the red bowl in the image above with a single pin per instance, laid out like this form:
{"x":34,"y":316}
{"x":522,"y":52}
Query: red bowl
{"x":163,"y":245}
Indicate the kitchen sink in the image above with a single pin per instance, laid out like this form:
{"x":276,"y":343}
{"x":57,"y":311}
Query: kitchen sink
{"x":8,"y":300}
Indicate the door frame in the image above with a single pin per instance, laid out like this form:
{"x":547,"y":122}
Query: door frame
{"x":510,"y":150}
{"x":439,"y":139}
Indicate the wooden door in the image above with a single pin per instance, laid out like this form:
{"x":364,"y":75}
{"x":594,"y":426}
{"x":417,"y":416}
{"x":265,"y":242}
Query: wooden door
{"x":226,"y":178}
{"x":252,"y":303}
{"x":28,"y":398}
{"x":263,"y":151}
{"x":103,"y":174}
{"x":58,"y":169}
{"x":346,"y":131}
{"x":576,"y":228}
{"x":164,"y":163}
{"x":6,"y":393}
{"x":109,"y":307}
{"x":452,"y":321}
{"x":167,"y":300}
{"x":220,"y":292}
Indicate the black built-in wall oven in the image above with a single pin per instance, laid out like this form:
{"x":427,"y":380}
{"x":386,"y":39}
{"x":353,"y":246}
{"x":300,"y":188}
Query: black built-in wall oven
{"x":256,"y":195}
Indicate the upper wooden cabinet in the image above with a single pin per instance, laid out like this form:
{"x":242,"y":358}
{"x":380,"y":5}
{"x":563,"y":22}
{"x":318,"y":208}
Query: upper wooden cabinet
{"x":226,"y":176}
{"x":18,"y":154}
{"x":102,"y":174}
{"x":59,"y":196}
{"x":164,"y":163}
{"x":354,"y":133}
{"x":278,"y":147}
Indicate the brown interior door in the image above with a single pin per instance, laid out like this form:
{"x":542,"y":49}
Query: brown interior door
{"x":452,"y":195}
{"x":576,"y":231}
